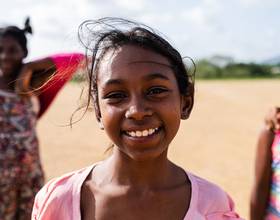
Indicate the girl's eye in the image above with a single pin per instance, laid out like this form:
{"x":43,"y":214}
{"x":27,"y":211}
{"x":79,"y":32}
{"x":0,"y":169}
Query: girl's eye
{"x":115,"y":96}
{"x":157,"y":91}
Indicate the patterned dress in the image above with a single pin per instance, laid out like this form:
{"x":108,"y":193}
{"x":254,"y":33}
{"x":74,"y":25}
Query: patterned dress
{"x":274,"y":201}
{"x":21,"y":175}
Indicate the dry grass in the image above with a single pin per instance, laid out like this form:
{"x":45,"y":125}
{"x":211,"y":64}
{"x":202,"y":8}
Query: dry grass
{"x":217,"y":142}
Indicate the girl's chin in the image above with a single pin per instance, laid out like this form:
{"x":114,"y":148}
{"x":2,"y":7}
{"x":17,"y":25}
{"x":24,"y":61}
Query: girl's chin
{"x":145,"y":155}
{"x":7,"y":72}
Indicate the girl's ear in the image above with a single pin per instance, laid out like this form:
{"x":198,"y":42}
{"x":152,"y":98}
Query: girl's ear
{"x":186,"y":106}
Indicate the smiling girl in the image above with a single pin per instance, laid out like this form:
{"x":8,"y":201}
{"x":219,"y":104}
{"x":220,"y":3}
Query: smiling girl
{"x":141,"y":91}
{"x":21,"y":174}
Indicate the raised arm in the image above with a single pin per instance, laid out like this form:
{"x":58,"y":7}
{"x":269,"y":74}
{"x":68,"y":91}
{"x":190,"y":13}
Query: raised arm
{"x":263,"y":172}
{"x":45,"y":77}
{"x":33,"y":75}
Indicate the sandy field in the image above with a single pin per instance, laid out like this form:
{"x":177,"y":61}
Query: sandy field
{"x":217,"y":142}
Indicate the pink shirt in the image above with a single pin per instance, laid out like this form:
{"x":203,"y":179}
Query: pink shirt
{"x":273,"y":208}
{"x":60,"y":199}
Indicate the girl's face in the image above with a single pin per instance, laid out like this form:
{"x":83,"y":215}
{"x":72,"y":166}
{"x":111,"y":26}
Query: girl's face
{"x":11,"y":55}
{"x":139,"y":101}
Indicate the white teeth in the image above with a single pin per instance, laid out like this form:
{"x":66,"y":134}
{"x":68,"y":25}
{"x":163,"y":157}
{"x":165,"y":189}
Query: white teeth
{"x":138,"y":133}
{"x":143,"y":133}
{"x":151,"y":131}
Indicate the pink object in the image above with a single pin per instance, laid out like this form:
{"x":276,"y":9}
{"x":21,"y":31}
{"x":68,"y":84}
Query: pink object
{"x":273,"y":207}
{"x":66,"y":65}
{"x":60,"y":199}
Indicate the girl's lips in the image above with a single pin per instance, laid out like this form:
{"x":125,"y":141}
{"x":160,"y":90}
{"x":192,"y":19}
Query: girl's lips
{"x":6,"y":67}
{"x":142,"y":134}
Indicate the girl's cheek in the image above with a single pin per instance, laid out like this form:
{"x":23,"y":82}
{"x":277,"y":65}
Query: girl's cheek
{"x":107,"y":113}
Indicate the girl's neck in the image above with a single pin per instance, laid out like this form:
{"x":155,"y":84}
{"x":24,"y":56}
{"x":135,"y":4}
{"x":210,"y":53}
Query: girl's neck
{"x":7,"y":83}
{"x":156,"y":173}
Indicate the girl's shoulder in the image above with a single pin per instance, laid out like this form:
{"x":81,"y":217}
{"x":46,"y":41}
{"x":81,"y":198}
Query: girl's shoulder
{"x":209,"y":193}
{"x":209,"y":200}
{"x":60,"y":195}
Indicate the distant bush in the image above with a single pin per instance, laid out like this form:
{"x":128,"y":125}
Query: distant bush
{"x":79,"y":76}
{"x":205,"y":69}
{"x":208,"y":70}
{"x":247,"y":70}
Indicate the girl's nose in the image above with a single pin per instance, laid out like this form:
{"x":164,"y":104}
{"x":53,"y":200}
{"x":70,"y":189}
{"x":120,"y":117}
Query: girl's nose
{"x":138,"y":110}
{"x":4,"y":55}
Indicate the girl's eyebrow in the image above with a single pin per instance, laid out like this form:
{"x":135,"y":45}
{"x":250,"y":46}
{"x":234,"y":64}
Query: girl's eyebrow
{"x":113,"y":82}
{"x":149,"y":77}
{"x":156,"y":76}
{"x":150,"y":61}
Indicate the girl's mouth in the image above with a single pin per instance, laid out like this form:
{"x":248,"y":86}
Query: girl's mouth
{"x":142,"y":133}
{"x":6,"y":67}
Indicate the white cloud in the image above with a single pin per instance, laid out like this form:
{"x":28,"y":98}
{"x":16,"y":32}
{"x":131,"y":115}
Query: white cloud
{"x":154,"y":18}
{"x":197,"y":16}
{"x":198,"y":27}
{"x":250,"y":3}
{"x":204,"y":16}
{"x":135,"y":5}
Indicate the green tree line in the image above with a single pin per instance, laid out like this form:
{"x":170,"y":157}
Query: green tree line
{"x":208,"y":70}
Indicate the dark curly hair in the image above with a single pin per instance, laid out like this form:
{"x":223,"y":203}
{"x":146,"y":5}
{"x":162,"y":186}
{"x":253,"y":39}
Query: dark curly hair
{"x":18,"y":34}
{"x":100,"y":36}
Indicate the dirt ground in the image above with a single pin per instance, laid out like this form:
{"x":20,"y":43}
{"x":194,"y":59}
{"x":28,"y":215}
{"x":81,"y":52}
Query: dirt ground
{"x":217,"y":142}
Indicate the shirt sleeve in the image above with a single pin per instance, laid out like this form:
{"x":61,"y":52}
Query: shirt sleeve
{"x":213,"y":203}
{"x":54,"y":200}
{"x":41,"y":201}
{"x":66,"y":65}
{"x":60,"y":197}
{"x":229,"y":214}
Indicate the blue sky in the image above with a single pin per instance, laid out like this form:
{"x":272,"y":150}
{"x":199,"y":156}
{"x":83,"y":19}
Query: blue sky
{"x":247,"y":30}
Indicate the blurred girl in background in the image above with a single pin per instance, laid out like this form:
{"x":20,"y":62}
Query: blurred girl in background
{"x":21,"y":105}
{"x":265,"y":197}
